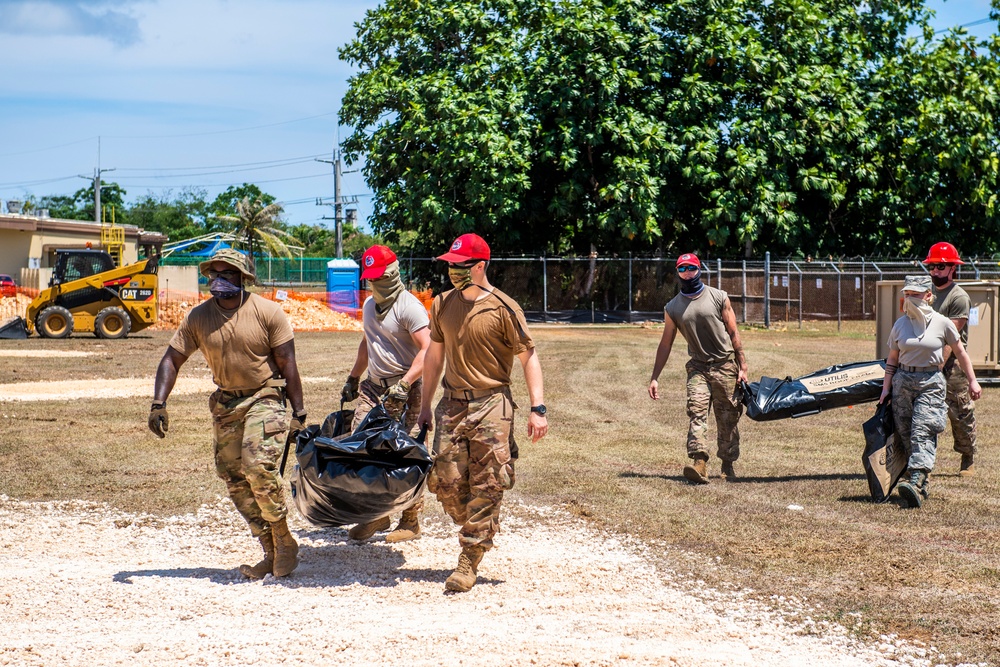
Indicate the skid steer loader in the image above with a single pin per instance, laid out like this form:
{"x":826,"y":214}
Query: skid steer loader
{"x":88,"y":293}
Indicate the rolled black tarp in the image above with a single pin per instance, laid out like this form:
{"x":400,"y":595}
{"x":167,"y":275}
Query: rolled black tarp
{"x":884,"y":458}
{"x":366,"y":475}
{"x":832,"y":387}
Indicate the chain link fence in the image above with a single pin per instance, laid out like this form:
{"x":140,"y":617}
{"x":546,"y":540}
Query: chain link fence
{"x":635,"y":289}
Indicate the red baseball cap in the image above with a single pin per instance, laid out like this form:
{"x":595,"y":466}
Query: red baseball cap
{"x":688,"y":258}
{"x":375,"y":260}
{"x":466,"y":247}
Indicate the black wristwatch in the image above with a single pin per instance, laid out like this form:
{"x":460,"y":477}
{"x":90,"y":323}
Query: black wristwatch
{"x":540,"y":409}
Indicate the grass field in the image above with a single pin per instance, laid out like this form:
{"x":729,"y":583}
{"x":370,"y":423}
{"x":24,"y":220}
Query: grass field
{"x":613,"y":456}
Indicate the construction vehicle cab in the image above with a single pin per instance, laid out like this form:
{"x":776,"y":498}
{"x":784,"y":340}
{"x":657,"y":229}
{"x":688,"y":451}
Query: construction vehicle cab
{"x":88,"y":293}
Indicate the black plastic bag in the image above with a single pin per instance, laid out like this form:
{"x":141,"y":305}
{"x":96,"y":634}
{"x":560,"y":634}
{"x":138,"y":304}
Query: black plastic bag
{"x":371,"y":473}
{"x":831,"y":387}
{"x":884,"y":458}
{"x":337,"y":423}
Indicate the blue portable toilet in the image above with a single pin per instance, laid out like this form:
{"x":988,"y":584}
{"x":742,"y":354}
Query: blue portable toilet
{"x":343,"y":282}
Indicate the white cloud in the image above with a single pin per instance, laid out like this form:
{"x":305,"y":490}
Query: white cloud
{"x":85,"y":19}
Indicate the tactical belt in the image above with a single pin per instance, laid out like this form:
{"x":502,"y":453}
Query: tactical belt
{"x":243,"y":393}
{"x":386,"y":383}
{"x":472,"y":394}
{"x":919,"y":369}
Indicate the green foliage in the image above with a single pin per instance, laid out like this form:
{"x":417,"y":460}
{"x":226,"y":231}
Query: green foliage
{"x":799,"y":126}
{"x":259,"y":227}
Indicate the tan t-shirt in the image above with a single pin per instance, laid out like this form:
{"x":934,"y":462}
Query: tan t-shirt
{"x":237,"y":344}
{"x":391,"y":348}
{"x":700,"y":322}
{"x":481,"y":338}
{"x":954,"y":303}
{"x":927,"y":350}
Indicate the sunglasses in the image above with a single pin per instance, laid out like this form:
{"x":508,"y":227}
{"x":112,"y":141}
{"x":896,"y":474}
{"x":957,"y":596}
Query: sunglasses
{"x":938,"y":267}
{"x":224,"y":274}
{"x":685,"y":269}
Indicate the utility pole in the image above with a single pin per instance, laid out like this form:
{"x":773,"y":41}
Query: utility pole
{"x":338,"y":201}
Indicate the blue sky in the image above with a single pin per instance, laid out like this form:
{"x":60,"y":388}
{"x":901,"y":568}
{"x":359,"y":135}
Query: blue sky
{"x":205,"y":93}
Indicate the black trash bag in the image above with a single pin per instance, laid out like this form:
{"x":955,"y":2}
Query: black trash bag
{"x":337,"y":423}
{"x":884,"y":458}
{"x":371,"y":473}
{"x":833,"y":387}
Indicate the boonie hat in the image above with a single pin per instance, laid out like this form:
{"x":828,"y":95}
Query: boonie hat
{"x":375,"y":260}
{"x":688,"y":258}
{"x":466,"y":247}
{"x":917,"y":284}
{"x":233,"y":258}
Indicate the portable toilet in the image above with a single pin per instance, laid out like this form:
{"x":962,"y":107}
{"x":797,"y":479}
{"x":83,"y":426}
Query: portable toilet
{"x":343,"y":282}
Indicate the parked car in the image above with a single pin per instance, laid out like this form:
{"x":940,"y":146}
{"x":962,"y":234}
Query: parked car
{"x":7,"y":285}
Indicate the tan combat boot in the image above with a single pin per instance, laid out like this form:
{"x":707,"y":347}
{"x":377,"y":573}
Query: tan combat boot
{"x":968,"y":468}
{"x":464,"y":576}
{"x":363,"y":531}
{"x":286,"y":549}
{"x":265,"y":567}
{"x":408,"y":527}
{"x":728,"y":474}
{"x":697,"y":471}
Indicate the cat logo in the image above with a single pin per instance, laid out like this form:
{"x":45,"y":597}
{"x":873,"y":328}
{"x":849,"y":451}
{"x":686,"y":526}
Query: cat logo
{"x":133,"y":294}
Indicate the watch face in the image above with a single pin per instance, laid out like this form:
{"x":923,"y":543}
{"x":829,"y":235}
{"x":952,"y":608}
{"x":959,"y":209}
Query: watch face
{"x":540,"y":409}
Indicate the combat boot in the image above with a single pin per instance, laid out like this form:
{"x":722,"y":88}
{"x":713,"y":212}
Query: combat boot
{"x":968,"y":468}
{"x":914,"y":491}
{"x":363,"y":531}
{"x":264,"y":567}
{"x":464,"y":576}
{"x":286,"y":549}
{"x":408,"y":527}
{"x":697,"y":471}
{"x":728,"y":474}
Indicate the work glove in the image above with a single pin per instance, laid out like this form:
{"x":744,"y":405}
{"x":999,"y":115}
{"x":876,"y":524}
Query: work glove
{"x":159,"y":422}
{"x":298,"y":422}
{"x":350,"y":391}
{"x":395,"y":399}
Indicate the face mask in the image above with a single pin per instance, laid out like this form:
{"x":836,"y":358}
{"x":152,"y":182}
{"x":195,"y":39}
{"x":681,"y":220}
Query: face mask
{"x":691,"y":286}
{"x":223,"y":289}
{"x":940,"y":281}
{"x":913,"y":306}
{"x":460,"y":278}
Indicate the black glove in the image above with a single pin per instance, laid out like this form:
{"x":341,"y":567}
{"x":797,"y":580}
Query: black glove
{"x":350,"y":392}
{"x":159,"y":422}
{"x":298,"y":422}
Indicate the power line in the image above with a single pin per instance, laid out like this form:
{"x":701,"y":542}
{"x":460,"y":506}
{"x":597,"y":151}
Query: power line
{"x":205,"y":134}
{"x":38,"y":182}
{"x":228,"y":171}
{"x":290,"y":160}
{"x":217,"y":185}
{"x":49,"y":148}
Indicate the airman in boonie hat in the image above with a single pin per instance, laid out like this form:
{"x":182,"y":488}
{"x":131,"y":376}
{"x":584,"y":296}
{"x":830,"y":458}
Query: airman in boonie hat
{"x":235,"y":259}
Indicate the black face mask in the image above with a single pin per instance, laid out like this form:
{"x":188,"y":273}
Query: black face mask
{"x":691,"y":286}
{"x":940,"y":281}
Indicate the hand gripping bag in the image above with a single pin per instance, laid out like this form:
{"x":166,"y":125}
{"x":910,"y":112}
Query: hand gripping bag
{"x":360,"y":477}
{"x":832,"y":387}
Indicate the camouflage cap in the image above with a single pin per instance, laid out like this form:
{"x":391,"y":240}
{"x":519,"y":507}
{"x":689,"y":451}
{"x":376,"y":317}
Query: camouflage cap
{"x":235,"y":259}
{"x":917,"y":284}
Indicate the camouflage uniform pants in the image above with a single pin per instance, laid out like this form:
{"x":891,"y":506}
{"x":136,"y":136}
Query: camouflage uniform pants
{"x":248,"y":436}
{"x":714,"y":386}
{"x":918,"y":409}
{"x":370,"y":394}
{"x":474,"y":463}
{"x":961,"y":410}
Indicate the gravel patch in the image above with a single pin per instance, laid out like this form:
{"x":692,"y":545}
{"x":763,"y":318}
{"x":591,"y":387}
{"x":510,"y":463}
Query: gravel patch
{"x":85,"y":584}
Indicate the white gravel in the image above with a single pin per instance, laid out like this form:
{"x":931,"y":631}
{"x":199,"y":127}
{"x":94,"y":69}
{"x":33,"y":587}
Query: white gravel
{"x":84,"y":584}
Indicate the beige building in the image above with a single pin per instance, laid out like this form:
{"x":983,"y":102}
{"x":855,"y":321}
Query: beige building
{"x":30,"y":242}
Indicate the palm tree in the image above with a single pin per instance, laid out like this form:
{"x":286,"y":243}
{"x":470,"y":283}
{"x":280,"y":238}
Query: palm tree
{"x":257,"y":223}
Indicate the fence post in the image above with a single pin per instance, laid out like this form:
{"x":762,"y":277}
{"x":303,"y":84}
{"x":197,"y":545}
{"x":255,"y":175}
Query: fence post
{"x":767,"y":290}
{"x":545,"y":289}
{"x":799,"y":270}
{"x":834,"y":266}
{"x":744,"y":291}
{"x":864,"y":309}
{"x":718,"y":267}
{"x":788,"y":289}
{"x":974,"y":267}
{"x":630,"y":286}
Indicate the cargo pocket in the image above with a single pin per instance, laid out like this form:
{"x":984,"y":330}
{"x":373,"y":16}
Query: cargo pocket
{"x":506,"y":475}
{"x":275,"y":423}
